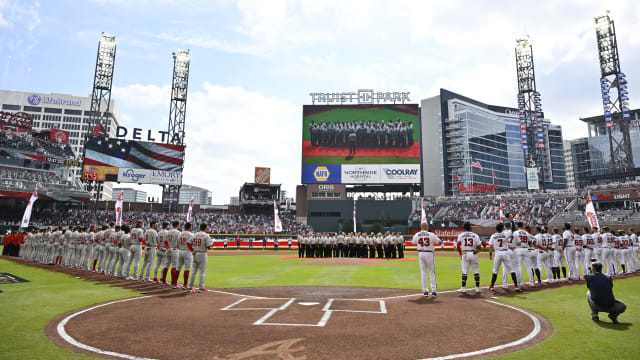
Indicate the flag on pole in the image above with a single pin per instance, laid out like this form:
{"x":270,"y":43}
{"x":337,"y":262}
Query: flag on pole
{"x":501,"y":212}
{"x":423,"y":215}
{"x":476,"y":164}
{"x":27,"y":212}
{"x":354,"y":215}
{"x":590,"y":212}
{"x":277,"y":225}
{"x":119,"y":209}
{"x":190,"y":211}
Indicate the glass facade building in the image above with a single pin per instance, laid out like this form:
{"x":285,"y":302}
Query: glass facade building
{"x":473,"y":143}
{"x":591,"y":156}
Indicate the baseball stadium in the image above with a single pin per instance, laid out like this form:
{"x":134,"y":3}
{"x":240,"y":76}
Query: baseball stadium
{"x":445,"y":228}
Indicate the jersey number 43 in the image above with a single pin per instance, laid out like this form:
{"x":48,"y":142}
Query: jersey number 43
{"x":424,"y":241}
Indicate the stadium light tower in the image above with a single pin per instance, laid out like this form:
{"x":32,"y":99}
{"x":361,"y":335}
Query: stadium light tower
{"x":102,"y":82}
{"x":615,"y":97}
{"x":177,"y":116}
{"x":532,"y":129}
{"x":178,"y":107}
{"x":101,"y":94}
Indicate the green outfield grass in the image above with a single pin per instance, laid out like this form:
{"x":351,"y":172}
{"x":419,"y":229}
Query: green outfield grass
{"x":358,"y":160}
{"x":30,"y":306}
{"x":575,"y":335}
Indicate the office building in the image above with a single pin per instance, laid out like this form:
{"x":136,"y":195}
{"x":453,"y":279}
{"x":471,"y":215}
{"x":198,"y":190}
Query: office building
{"x":62,"y":112}
{"x":199,"y":195}
{"x":131,"y":195}
{"x":470,"y":146}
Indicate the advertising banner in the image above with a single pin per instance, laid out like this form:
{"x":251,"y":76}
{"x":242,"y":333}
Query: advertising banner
{"x":532,"y":179}
{"x":361,"y":174}
{"x":321,"y":174}
{"x":59,"y":136}
{"x":139,"y":176}
{"x":165,"y":177}
{"x":262,"y":175}
{"x":99,"y":173}
{"x":407,"y":174}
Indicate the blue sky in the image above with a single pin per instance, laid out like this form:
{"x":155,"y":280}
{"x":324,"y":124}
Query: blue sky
{"x":254,"y":63}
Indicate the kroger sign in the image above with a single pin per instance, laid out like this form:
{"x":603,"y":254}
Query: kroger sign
{"x":140,"y":176}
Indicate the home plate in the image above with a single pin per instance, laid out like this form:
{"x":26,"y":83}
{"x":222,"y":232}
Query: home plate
{"x":308,"y":303}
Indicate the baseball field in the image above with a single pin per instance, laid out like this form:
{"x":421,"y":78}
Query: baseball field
{"x":267,"y":305}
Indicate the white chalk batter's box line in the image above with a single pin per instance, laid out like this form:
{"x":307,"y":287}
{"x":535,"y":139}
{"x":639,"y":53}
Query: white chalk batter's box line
{"x":323,"y":321}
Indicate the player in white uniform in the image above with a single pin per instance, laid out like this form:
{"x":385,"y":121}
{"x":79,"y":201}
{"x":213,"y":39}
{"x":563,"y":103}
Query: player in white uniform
{"x":543,"y":257}
{"x":597,"y":247}
{"x":635,"y":247}
{"x":589,"y":247}
{"x":558,"y":254}
{"x":468,"y":246}
{"x":201,"y":242}
{"x":524,"y":239}
{"x":511,"y":246}
{"x":135,"y":249}
{"x":499,"y":245}
{"x":570,"y":251}
{"x":580,"y":260}
{"x":608,"y":251}
{"x":185,"y":245}
{"x":425,"y":242}
{"x":629,"y":252}
{"x":150,"y":243}
{"x":532,"y":255}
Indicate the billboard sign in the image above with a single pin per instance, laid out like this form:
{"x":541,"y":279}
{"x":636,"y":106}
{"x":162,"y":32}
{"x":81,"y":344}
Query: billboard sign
{"x":140,"y":176}
{"x":321,"y":174}
{"x":532,"y":179}
{"x":362,"y":140}
{"x":262,"y":175}
{"x":133,"y":161}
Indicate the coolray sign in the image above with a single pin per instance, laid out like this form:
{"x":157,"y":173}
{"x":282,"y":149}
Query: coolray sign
{"x":166,"y":177}
{"x":400,"y":174}
{"x":35,"y":99}
{"x":360,"y":174}
{"x":136,"y":134}
{"x":129,"y":175}
{"x":362,"y":96}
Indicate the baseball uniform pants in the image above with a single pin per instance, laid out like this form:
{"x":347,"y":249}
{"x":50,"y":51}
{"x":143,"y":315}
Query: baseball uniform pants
{"x":544,"y":259}
{"x":161,"y":255}
{"x":571,"y":261}
{"x":147,"y":263}
{"x":427,"y":264}
{"x":469,"y":259}
{"x":124,"y":262}
{"x":502,"y":257}
{"x":199,"y":266}
{"x":136,"y":253}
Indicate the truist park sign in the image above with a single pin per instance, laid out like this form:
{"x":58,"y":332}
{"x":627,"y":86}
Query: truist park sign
{"x":362,"y":96}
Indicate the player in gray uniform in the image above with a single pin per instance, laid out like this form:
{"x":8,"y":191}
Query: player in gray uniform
{"x":201,"y":242}
{"x":125,"y":253}
{"x":114,"y":253}
{"x":185,"y":246}
{"x":107,"y":253}
{"x":135,"y":249}
{"x":174,"y":252}
{"x":150,"y":243}
{"x":162,"y":255}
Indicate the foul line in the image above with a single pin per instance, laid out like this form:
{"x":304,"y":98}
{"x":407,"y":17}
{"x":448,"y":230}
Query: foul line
{"x":532,"y":334}
{"x":66,"y":337}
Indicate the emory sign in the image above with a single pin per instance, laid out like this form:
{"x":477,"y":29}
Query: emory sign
{"x":362,"y":96}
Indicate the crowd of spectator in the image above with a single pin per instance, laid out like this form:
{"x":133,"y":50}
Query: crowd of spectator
{"x":24,"y":141}
{"x":534,"y":210}
{"x":218,"y":223}
{"x":17,"y":177}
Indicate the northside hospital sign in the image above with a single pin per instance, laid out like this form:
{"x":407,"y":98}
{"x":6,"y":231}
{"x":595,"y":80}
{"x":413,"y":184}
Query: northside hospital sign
{"x":362,"y":96}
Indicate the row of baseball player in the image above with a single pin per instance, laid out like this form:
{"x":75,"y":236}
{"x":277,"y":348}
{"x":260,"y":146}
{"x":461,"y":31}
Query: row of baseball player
{"x":535,"y":249}
{"x":112,"y":250}
{"x":360,"y":245}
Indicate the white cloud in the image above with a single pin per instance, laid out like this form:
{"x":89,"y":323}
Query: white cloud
{"x":229,"y":130}
{"x":138,"y":95}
